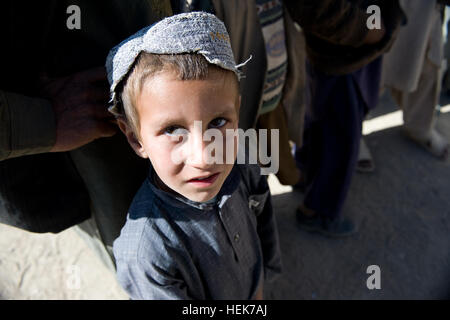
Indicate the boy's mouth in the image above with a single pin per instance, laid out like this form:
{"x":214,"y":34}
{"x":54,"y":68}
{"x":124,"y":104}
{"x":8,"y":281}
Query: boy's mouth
{"x":204,"y":181}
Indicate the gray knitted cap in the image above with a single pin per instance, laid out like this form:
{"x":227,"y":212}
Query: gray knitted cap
{"x":194,"y":32}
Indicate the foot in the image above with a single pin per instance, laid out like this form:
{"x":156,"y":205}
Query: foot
{"x":365,"y":161}
{"x":433,"y":142}
{"x":312,"y":222}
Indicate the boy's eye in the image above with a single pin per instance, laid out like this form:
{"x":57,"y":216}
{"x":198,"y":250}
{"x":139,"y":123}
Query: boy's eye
{"x":217,"y":123}
{"x":175,"y":131}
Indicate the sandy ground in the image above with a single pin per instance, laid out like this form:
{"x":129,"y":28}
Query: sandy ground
{"x":47,"y":266}
{"x":402,"y":210}
{"x":403,"y":214}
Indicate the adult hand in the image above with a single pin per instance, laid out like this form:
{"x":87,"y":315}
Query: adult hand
{"x":375,"y":35}
{"x":80,"y":105}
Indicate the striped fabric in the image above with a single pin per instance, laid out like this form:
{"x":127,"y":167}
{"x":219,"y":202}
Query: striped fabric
{"x":270,"y":14}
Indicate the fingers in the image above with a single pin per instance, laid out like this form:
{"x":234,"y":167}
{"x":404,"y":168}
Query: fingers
{"x":92,"y":75}
{"x":97,"y":111}
{"x":94,"y":84}
{"x":97,"y":74}
{"x":95,"y":94}
{"x":72,"y":134}
{"x":105,"y":129}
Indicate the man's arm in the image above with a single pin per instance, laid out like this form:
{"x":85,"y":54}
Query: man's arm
{"x":73,"y":113}
{"x":27,"y":125}
{"x":444,"y":2}
{"x":340,"y":22}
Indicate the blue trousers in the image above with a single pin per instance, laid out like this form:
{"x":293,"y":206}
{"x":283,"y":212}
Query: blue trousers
{"x":336,"y":107}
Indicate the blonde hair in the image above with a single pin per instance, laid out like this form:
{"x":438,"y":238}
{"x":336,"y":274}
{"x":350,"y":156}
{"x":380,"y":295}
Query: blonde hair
{"x":187,"y":66}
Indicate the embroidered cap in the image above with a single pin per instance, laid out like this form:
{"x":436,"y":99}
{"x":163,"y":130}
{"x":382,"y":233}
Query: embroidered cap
{"x":194,"y":32}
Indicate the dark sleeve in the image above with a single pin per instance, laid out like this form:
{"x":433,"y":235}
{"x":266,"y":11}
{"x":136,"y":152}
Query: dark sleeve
{"x":341,"y":22}
{"x":444,"y":2}
{"x":260,"y":201}
{"x":27,"y":125}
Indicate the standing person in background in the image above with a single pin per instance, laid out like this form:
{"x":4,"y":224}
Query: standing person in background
{"x":344,"y":70}
{"x":273,"y":88}
{"x":412,"y":71}
{"x":60,"y":162}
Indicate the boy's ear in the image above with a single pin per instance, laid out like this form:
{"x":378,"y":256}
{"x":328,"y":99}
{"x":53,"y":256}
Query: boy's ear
{"x":131,"y":137}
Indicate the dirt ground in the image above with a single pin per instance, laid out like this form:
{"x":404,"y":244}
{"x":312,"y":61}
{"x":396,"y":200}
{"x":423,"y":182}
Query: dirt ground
{"x":402,"y":211}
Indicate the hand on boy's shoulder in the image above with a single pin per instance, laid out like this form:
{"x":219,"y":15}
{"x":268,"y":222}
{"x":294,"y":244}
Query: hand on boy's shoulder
{"x":79,"y":103}
{"x":374,"y":36}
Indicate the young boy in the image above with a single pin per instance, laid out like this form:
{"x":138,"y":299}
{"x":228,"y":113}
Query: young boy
{"x":197,"y":229}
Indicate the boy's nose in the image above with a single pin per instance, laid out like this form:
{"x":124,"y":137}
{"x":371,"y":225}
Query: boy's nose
{"x":198,"y":152}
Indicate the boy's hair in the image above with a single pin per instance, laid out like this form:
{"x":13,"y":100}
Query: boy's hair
{"x":186,"y":66}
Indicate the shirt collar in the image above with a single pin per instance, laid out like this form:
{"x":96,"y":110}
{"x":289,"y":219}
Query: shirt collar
{"x":229,"y":186}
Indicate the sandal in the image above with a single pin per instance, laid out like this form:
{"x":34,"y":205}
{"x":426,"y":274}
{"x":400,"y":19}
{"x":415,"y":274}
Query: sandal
{"x":433,"y":142}
{"x":365,"y":162}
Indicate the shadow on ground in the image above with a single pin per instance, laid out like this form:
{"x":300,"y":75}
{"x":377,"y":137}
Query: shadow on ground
{"x":403,"y":213}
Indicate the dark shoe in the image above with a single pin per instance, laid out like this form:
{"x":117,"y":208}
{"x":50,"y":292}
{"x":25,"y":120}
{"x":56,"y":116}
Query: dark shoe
{"x":331,"y":228}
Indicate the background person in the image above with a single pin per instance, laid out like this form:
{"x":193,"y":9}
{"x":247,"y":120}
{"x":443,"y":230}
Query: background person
{"x":60,"y":160}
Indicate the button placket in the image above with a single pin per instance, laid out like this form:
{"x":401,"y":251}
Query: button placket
{"x":233,"y":233}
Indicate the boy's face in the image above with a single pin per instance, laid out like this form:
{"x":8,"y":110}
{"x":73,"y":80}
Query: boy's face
{"x":167,"y":109}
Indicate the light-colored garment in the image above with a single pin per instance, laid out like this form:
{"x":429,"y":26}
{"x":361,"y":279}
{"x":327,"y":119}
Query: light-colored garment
{"x":419,"y":106}
{"x":421,"y":38}
{"x":412,"y":68}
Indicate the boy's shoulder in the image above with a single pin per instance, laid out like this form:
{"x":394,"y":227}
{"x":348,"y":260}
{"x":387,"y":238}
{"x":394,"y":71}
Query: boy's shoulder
{"x":142,"y":206}
{"x":149,"y":227}
{"x":254,"y":186}
{"x":252,"y":178}
{"x":144,"y":220}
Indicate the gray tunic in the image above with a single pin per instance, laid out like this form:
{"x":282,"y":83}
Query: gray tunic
{"x":174,"y":248}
